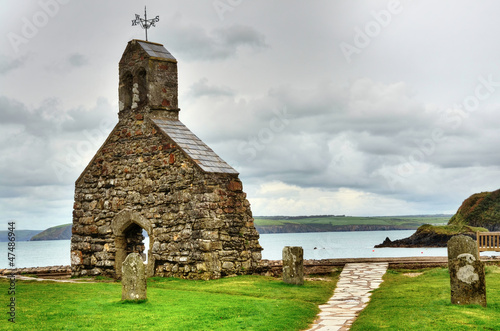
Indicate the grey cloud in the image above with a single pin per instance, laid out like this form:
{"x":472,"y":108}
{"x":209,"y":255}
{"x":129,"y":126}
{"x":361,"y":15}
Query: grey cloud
{"x":13,"y":111}
{"x":8,"y":64}
{"x":68,"y":63}
{"x":202,"y":88}
{"x":48,"y":144}
{"x":239,"y":35}
{"x":77,"y":60}
{"x":457,"y":152}
{"x":376,"y":144}
{"x":102,"y":115}
{"x":364,"y":106}
{"x":36,"y":121}
{"x":196,"y":43}
{"x":49,"y":118}
{"x":332,"y":140}
{"x":24,"y":159}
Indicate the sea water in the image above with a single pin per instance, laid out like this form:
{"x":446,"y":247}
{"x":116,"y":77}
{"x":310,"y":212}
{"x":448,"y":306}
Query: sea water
{"x":316,"y":245}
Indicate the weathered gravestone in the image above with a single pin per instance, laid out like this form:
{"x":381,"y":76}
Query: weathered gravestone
{"x":462,"y":244}
{"x":466,"y":272}
{"x":133,"y":278}
{"x":293,"y":265}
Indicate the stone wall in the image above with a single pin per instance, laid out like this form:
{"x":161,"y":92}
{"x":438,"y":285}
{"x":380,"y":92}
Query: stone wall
{"x":199,"y":223}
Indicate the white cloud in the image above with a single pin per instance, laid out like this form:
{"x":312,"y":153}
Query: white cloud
{"x":278,"y":198}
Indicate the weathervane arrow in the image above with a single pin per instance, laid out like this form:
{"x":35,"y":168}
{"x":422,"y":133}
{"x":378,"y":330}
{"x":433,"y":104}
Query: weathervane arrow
{"x":144,"y":22}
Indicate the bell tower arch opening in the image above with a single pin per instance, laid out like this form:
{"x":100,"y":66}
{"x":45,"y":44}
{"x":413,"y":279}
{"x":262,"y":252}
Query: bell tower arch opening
{"x":125,"y":90}
{"x":142,"y":87}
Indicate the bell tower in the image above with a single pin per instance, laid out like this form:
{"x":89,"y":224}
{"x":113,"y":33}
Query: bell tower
{"x":148,"y":81}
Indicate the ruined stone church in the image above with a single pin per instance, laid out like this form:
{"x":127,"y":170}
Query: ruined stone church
{"x":153,"y":174}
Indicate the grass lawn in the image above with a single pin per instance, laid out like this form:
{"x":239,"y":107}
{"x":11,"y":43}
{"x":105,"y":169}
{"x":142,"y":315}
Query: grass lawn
{"x":235,"y":303}
{"x":423,"y":303}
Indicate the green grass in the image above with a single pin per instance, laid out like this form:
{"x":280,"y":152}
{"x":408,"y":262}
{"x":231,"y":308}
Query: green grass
{"x":423,"y":303}
{"x":236,"y":303}
{"x":450,"y":229}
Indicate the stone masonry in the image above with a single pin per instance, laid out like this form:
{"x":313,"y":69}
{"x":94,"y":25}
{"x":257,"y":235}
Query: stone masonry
{"x":152,"y":174}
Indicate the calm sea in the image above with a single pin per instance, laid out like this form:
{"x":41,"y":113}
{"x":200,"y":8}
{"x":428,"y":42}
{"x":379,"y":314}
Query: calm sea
{"x":317,"y":245}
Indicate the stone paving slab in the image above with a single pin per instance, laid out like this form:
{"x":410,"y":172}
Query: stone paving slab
{"x":350,"y":297}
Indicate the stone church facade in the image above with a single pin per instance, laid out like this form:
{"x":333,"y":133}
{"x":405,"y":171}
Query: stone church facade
{"x":153,"y":174}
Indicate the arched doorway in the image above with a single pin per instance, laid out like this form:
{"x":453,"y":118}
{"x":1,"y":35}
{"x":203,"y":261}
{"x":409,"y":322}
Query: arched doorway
{"x":127,"y":227}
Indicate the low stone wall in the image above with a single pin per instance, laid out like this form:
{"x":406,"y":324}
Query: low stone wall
{"x":60,"y":270}
{"x":271,"y":268}
{"x":274,"y":268}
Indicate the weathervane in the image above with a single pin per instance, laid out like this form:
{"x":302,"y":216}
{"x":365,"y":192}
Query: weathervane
{"x":144,"y":22}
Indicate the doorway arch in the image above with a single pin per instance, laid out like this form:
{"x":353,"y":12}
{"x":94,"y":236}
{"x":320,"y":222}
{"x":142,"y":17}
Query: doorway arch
{"x":127,"y":228}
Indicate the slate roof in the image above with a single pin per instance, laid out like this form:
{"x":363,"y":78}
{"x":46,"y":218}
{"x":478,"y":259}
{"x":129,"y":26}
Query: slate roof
{"x":156,"y":50}
{"x":196,"y":149}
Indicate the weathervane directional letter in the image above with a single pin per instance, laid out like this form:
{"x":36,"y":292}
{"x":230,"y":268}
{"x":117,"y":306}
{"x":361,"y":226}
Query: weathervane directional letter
{"x":144,"y":22}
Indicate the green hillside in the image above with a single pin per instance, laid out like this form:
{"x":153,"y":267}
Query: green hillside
{"x":60,"y":232}
{"x":280,"y":224}
{"x":480,"y":210}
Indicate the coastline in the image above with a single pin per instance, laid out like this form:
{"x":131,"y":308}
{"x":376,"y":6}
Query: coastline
{"x":304,"y":228}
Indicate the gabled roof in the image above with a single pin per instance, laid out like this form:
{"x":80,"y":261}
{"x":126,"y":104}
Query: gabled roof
{"x":196,"y":149}
{"x":156,"y":50}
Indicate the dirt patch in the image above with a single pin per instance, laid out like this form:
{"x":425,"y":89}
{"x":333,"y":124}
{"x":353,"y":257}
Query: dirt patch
{"x":315,"y":279}
{"x":413,"y":274}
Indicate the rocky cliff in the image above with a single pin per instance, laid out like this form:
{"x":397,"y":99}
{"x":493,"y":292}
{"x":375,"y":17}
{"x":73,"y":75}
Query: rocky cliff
{"x":431,"y":236}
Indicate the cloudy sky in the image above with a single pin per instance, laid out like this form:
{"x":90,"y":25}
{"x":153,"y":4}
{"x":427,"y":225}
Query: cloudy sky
{"x":324,"y":107}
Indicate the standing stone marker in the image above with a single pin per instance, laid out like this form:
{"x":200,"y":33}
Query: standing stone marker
{"x":133,"y":278}
{"x":462,"y":244}
{"x":466,"y":272}
{"x":293,"y":265}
